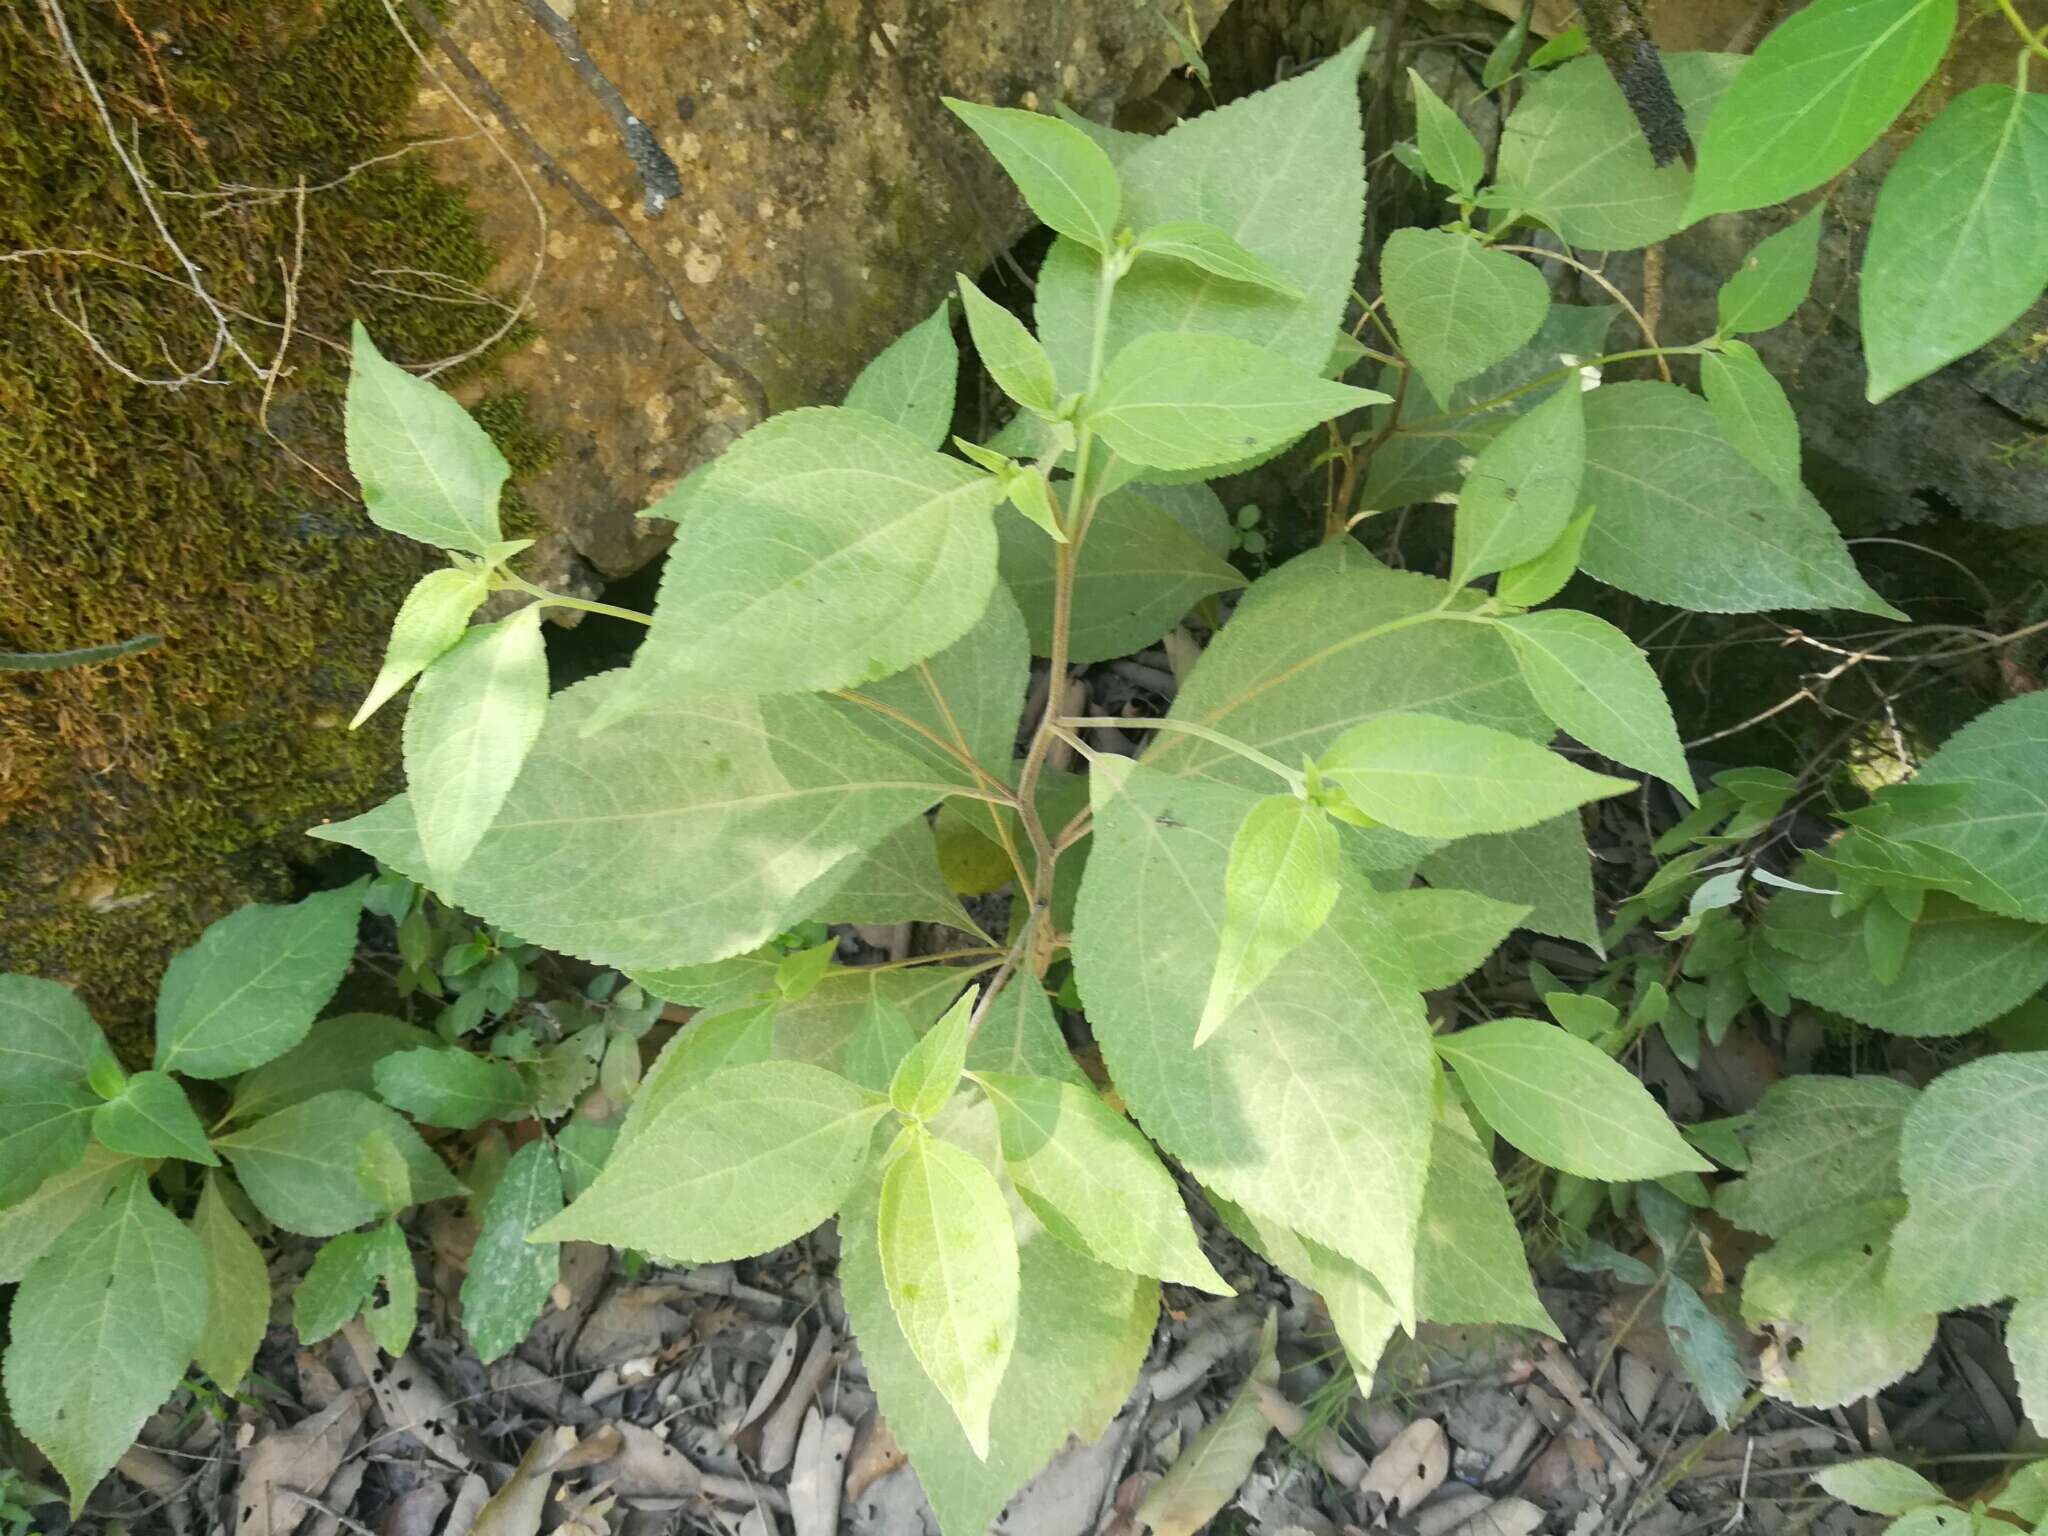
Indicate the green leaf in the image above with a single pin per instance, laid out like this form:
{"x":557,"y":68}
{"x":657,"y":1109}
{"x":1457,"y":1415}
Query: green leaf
{"x":2026,"y":1342}
{"x":1450,"y":153}
{"x":152,"y":1118}
{"x":899,"y":881}
{"x":1502,"y":58}
{"x":509,"y":1278}
{"x":1087,"y":1173}
{"x":1113,"y":142}
{"x":341,"y":1052}
{"x":385,"y":1176}
{"x":443,"y":1086}
{"x":29,"y":1226}
{"x":391,"y":1322}
{"x":1753,"y":412}
{"x":1539,"y":579}
{"x":1684,"y":518}
{"x":1020,"y":1035}
{"x":1545,"y":868}
{"x":1470,"y":1266}
{"x":1208,"y":1473}
{"x":1959,"y":239}
{"x":1561,"y":1101}
{"x":911,"y":381}
{"x":247,"y":992}
{"x":882,"y":1038}
{"x":665,"y":869}
{"x":1175,"y":400}
{"x":930,"y":1070}
{"x":343,"y":1277}
{"x":474,"y":717}
{"x":949,"y":1262}
{"x":45,"y":1032}
{"x":1818,"y":1144}
{"x":101,"y":1331}
{"x":1706,"y":1352}
{"x":1449,"y":933}
{"x":584,"y":1146}
{"x":1282,"y":173}
{"x":1572,"y":153}
{"x":1279,"y":886}
{"x":1816,"y":94}
{"x":730,"y":1166}
{"x":1435,"y":777}
{"x":826,"y":548}
{"x":237,"y":1291}
{"x":1973,"y":1158}
{"x":1997,"y":823}
{"x":425,"y":468}
{"x":1457,"y":307}
{"x":1773,"y":280}
{"x":430,"y":620}
{"x":1063,"y":174}
{"x":1314,"y":1110}
{"x":1009,"y":352}
{"x":1213,"y":250}
{"x":299,"y":1165}
{"x":1522,"y":490}
{"x":1882,"y":1487}
{"x":1590,"y":678}
{"x":43,"y":1126}
{"x":1082,"y":1332}
{"x":1148,"y":559}
{"x":1962,"y":967}
{"x":1886,"y":932}
{"x":1823,"y":1289}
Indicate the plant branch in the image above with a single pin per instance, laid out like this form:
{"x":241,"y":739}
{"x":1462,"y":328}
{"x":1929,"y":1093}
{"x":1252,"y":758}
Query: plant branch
{"x":1614,"y":293}
{"x":1250,"y":754}
{"x":2034,"y":40}
{"x":659,"y":179}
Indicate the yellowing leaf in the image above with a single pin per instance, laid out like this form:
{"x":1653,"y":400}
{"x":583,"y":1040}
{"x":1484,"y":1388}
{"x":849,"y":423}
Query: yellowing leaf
{"x":1207,"y":1475}
{"x":430,"y":620}
{"x":930,"y":1070}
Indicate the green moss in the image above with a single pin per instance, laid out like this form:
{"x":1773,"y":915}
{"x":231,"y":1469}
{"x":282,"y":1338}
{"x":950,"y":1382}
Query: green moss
{"x":806,"y":75}
{"x":140,"y":800}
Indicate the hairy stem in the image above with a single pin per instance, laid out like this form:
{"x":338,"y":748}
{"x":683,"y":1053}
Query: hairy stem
{"x":1295,"y":780}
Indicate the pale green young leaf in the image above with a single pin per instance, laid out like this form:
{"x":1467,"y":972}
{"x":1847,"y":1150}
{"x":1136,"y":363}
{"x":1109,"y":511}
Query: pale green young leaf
{"x":1208,"y":1473}
{"x":1998,"y":823}
{"x":825,"y":548}
{"x":1592,"y":680}
{"x":45,"y":1032}
{"x":1449,"y":933}
{"x":1522,"y":489}
{"x":729,"y":1166}
{"x":1314,"y":1109}
{"x":30,"y":1225}
{"x":949,"y":1262}
{"x":43,"y":1130}
{"x":341,"y":1052}
{"x":1545,"y":868}
{"x":898,"y":881}
{"x":930,"y":1070}
{"x":1151,"y":554}
{"x":474,"y":716}
{"x":1962,"y":967}
{"x":1818,"y":1144}
{"x":1974,"y":1158}
{"x":1700,"y":1341}
{"x":1959,"y":239}
{"x":1773,"y":280}
{"x":1082,"y":1332}
{"x":102,"y":1328}
{"x":1565,"y":1103}
{"x":881,"y":1040}
{"x":1063,"y":173}
{"x":665,"y":869}
{"x":248,"y":991}
{"x":1087,"y":1173}
{"x":2026,"y":1343}
{"x":1020,"y":1035}
{"x":1279,"y":886}
{"x":1450,"y":153}
{"x":1823,"y":1284}
{"x":299,"y":1165}
{"x":446,"y":1086}
{"x":1816,"y":93}
{"x":152,"y":1118}
{"x":1009,"y":352}
{"x":430,"y":620}
{"x":1684,"y":518}
{"x":1881,"y":1486}
{"x":332,"y":1292}
{"x":1457,"y":307}
{"x":911,"y":381}
{"x":1590,"y":1018}
{"x":1031,"y":494}
{"x":426,"y":469}
{"x":1470,"y":1266}
{"x":383,"y":1172}
{"x":1753,"y":412}
{"x":1214,"y":251}
{"x":1430,"y":776}
{"x":237,"y":1291}
{"x":509,"y":1278}
{"x":1186,"y":400}
{"x":1572,"y":152}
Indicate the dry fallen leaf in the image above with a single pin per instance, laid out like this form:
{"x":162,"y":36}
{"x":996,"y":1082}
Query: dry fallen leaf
{"x":648,"y":1467}
{"x":516,"y":1508}
{"x":301,"y":1459}
{"x":817,"y":1474}
{"x":409,"y":1399}
{"x":1207,"y":1475}
{"x":877,"y":1456}
{"x":779,"y":1367}
{"x":1411,"y":1468}
{"x":470,"y":1499}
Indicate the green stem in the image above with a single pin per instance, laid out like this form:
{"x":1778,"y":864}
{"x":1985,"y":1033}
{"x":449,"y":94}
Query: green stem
{"x":1296,"y":781}
{"x":1479,"y":406}
{"x":2028,"y":35}
{"x":549,"y":599}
